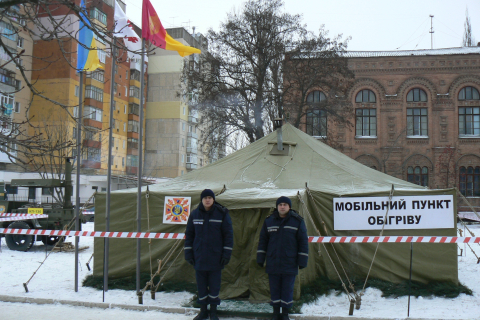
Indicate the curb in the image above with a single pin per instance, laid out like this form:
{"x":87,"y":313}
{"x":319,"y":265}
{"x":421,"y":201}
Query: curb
{"x":192,"y":311}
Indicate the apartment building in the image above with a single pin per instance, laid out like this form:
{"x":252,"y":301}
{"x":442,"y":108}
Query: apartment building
{"x":14,"y":95}
{"x":59,"y":81}
{"x":174,"y":143}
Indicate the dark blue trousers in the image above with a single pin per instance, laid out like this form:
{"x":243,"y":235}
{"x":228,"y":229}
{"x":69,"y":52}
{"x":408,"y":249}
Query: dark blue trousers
{"x":208,"y":286}
{"x":281,"y":289}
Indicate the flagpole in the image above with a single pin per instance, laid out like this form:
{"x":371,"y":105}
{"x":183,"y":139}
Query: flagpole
{"x":77,"y":183}
{"x":109,"y":169}
{"x":140,"y":160}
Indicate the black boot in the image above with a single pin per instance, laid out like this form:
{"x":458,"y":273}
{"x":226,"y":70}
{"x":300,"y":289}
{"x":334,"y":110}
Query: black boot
{"x":213,"y":312}
{"x":276,"y":313}
{"x":284,"y":315}
{"x":203,"y":314}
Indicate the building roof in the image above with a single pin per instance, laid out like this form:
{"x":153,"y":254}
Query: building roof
{"x":404,"y":53}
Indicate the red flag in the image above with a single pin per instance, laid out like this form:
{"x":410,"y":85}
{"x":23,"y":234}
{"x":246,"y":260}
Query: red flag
{"x":153,"y":31}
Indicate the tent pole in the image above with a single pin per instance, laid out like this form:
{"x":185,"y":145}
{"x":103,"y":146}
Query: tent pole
{"x":77,"y":183}
{"x":410,"y":280}
{"x":106,"y":247}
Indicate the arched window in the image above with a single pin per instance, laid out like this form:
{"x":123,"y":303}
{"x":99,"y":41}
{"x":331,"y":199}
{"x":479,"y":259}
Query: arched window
{"x":469,"y":117}
{"x":417,"y":95}
{"x":468,"y":93}
{"x":316,"y":96}
{"x":366,"y":96}
{"x":316,"y":119}
{"x":418,"y":175}
{"x":470,"y":181}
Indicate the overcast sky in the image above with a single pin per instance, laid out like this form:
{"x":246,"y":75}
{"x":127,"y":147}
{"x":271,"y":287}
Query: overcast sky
{"x":373,"y":25}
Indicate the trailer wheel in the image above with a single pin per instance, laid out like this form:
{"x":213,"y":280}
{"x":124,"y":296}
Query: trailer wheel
{"x":19,"y":242}
{"x":50,"y":240}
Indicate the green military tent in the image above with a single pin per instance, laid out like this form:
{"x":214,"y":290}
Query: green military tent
{"x":248,"y":182}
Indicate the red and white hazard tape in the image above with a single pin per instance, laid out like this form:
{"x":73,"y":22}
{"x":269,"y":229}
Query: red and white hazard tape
{"x":394,"y":239}
{"x":15,"y":217}
{"x":17,"y":214}
{"x":96,"y":234}
{"x":176,"y":236}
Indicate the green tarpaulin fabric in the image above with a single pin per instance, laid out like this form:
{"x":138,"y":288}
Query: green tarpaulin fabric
{"x":248,"y":182}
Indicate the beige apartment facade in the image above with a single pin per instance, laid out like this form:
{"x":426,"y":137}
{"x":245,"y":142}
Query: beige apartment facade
{"x":173,"y":136}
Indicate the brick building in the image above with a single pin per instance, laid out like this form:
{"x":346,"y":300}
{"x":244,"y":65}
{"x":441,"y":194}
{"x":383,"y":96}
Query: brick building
{"x":416,"y":116}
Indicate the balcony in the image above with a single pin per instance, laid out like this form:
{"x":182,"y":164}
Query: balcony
{"x":192,"y":135}
{"x":192,"y":120}
{"x":92,"y":164}
{"x":92,"y":143}
{"x":92,"y":123}
{"x":131,"y":170}
{"x":132,"y":145}
{"x":191,"y":166}
{"x":192,"y":150}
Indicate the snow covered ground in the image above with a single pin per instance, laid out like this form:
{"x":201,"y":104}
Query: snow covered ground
{"x":55,"y":280}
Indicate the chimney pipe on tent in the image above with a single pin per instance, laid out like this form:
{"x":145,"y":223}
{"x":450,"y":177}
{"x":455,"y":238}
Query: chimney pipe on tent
{"x":278,"y":123}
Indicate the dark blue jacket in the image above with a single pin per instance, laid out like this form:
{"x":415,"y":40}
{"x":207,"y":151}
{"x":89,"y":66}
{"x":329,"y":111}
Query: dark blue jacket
{"x":284,"y":243}
{"x":209,"y":237}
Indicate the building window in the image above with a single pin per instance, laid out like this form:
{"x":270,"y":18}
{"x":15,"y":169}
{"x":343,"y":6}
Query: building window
{"x":135,"y":92}
{"x":316,"y":96}
{"x":7,"y":77}
{"x":317,"y":123}
{"x":18,"y":84}
{"x":366,"y":124}
{"x":469,"y":121}
{"x":134,"y":75}
{"x":8,"y":31}
{"x":20,"y":42}
{"x":418,"y":175}
{"x":98,"y":75}
{"x":102,"y":55}
{"x":470,"y":181}
{"x":366,"y":96}
{"x":94,"y":93}
{"x":132,"y":161}
{"x":417,"y":122}
{"x":99,"y":15}
{"x":468,"y":93}
{"x":134,"y":108}
{"x":17,"y":107}
{"x":133,"y":126}
{"x":417,"y":95}
{"x":93,"y":113}
{"x":77,"y":88}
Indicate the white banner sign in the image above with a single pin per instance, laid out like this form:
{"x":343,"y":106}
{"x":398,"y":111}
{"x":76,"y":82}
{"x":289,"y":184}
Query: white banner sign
{"x":414,"y":212}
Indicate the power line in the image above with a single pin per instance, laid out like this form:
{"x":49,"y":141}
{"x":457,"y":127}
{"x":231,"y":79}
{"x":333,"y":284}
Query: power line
{"x":407,"y":41}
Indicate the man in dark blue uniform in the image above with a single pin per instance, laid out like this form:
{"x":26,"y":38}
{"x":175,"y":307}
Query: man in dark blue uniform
{"x":284,"y":244}
{"x":208,"y":248}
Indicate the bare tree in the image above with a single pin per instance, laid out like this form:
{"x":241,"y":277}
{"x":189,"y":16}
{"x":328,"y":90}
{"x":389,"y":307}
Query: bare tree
{"x":446,"y":166}
{"x":468,"y":39}
{"x":240,"y":82}
{"x":317,"y":64}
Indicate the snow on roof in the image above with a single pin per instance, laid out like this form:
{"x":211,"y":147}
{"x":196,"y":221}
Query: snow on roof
{"x":401,"y":53}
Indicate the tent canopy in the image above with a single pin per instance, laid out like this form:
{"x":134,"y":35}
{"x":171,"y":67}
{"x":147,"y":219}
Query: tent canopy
{"x":248,"y":182}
